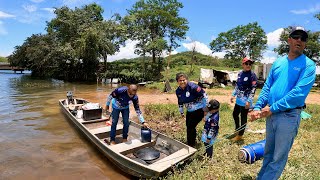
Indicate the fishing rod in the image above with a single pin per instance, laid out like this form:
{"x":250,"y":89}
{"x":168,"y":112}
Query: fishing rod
{"x":237,"y":130}
{"x":242,"y":127}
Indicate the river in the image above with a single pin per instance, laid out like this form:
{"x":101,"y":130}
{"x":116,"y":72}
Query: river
{"x":37,"y":141}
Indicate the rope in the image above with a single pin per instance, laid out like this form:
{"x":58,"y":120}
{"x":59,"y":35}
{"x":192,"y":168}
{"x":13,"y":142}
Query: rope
{"x":218,"y":140}
{"x":236,"y":131}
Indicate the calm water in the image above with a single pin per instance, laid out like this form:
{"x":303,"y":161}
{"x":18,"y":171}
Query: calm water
{"x":37,"y":141}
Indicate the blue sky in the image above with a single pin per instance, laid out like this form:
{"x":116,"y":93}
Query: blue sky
{"x":20,"y":19}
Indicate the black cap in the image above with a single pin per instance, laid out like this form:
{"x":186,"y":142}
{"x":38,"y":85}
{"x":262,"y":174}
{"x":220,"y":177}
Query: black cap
{"x":213,"y":104}
{"x":299,"y":29}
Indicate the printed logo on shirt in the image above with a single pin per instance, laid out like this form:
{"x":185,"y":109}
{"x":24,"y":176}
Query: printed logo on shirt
{"x":187,"y":94}
{"x":297,"y":68}
{"x":254,"y":82}
{"x":245,"y":79}
{"x":198,"y":89}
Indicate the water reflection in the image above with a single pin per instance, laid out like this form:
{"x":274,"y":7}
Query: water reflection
{"x":36,"y":139}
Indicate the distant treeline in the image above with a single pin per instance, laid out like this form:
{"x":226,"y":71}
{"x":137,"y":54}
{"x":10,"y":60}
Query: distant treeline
{"x":3,"y":59}
{"x":143,"y":69}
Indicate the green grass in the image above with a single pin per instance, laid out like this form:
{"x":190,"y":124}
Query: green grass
{"x":303,"y":161}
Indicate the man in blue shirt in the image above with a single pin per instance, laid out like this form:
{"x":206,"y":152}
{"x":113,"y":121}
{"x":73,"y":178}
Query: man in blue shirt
{"x":194,"y":98}
{"x":281,"y":100}
{"x":121,"y":97}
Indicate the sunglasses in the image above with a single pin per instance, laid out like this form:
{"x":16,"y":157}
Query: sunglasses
{"x":247,"y":64}
{"x":297,"y":36}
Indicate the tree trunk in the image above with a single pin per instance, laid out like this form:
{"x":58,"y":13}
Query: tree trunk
{"x":105,"y":56}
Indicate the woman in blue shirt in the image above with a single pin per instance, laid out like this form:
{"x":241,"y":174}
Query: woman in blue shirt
{"x":194,"y":98}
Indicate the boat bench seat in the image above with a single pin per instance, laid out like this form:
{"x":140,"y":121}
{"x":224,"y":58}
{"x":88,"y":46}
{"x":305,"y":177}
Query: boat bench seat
{"x":131,"y":144}
{"x":104,"y":129}
{"x":170,"y":160}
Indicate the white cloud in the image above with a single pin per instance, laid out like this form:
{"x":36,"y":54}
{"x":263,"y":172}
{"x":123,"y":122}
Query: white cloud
{"x":76,"y":2}
{"x":3,"y":31}
{"x":311,"y":10}
{"x":5,"y":15}
{"x":273,"y":37}
{"x":198,"y":46}
{"x":51,"y":10}
{"x":269,"y":56}
{"x":202,"y":48}
{"x":126,"y":51}
{"x":188,"y":39}
{"x":219,"y":54}
{"x":37,"y":1}
{"x":29,"y":8}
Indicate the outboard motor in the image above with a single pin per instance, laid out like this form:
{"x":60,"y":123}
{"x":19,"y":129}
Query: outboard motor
{"x":70,"y":97}
{"x":252,"y":152}
{"x":145,"y":134}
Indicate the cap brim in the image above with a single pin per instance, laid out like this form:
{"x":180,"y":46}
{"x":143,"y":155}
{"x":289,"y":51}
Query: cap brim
{"x":304,"y":32}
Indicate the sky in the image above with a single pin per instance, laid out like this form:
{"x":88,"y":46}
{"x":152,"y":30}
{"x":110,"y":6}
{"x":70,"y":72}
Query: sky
{"x":20,"y":19}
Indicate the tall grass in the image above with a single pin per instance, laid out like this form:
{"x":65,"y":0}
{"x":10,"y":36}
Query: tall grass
{"x":304,"y":158}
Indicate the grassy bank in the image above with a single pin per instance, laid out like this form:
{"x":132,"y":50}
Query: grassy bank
{"x":303,"y":160}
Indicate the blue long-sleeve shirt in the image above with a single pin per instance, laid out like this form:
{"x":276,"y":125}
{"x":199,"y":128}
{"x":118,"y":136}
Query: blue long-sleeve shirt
{"x":245,"y":87}
{"x":193,"y":97}
{"x":211,"y":128}
{"x":120,"y":100}
{"x":288,"y":84}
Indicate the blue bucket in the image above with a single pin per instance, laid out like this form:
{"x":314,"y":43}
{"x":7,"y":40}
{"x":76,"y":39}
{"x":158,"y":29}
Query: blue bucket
{"x":145,"y":135}
{"x":252,"y":152}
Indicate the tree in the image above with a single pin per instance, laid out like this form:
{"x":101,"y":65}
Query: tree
{"x":241,"y":41}
{"x":87,"y":36}
{"x":156,"y":25}
{"x":312,"y":49}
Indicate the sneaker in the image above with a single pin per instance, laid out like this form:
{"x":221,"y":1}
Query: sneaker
{"x":237,"y":138}
{"x":124,"y":140}
{"x":112,"y":143}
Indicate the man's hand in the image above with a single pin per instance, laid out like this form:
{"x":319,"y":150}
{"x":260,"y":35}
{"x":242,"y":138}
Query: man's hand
{"x":182,"y":115}
{"x":247,"y":106}
{"x":107,"y":108}
{"x":254,"y":115}
{"x":145,"y":125}
{"x":208,"y":141}
{"x":232,"y":99}
{"x":265,"y":112}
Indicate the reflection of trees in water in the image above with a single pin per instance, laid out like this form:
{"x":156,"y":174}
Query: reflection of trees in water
{"x":28,"y":81}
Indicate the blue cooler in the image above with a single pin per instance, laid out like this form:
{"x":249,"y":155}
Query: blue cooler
{"x":252,"y":152}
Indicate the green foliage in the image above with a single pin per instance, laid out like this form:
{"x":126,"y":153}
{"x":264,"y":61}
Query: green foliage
{"x":156,"y":26}
{"x":312,"y":49}
{"x":133,"y":70}
{"x":76,"y":41}
{"x":3,"y":59}
{"x":241,"y":41}
{"x":188,"y":57}
{"x":36,"y":54}
{"x":142,"y":69}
